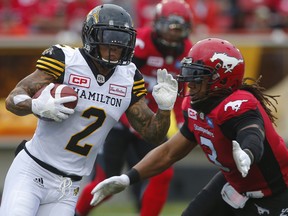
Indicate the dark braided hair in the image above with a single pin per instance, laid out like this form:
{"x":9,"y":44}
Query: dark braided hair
{"x":252,"y":85}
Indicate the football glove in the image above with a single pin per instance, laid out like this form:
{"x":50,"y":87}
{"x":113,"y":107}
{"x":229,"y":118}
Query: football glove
{"x":241,"y":158}
{"x":165,"y":92}
{"x":46,"y":106}
{"x":109,"y":187}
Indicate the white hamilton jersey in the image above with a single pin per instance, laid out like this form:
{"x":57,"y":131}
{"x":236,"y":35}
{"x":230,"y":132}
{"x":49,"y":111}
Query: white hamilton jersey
{"x":72,"y":145}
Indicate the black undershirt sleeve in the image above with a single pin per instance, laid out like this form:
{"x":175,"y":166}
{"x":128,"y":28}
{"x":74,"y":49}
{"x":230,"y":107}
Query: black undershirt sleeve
{"x":249,"y":137}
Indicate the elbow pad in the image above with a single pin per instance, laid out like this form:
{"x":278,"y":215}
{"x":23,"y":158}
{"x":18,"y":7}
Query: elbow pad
{"x":252,"y":139}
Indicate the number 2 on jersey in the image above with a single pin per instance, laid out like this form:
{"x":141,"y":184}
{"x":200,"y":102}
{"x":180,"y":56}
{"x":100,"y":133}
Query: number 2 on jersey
{"x":73,"y":145}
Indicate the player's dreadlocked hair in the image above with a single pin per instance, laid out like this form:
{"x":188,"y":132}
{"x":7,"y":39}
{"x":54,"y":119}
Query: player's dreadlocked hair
{"x":252,"y":85}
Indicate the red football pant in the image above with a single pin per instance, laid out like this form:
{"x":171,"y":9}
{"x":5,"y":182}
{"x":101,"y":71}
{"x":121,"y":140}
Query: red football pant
{"x":156,"y":193}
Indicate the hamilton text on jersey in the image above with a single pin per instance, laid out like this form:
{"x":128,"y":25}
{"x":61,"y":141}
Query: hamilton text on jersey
{"x":106,"y":99}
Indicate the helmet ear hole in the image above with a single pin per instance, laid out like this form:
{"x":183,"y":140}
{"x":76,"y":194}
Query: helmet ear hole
{"x":218,"y":65}
{"x":223,"y":81}
{"x":85,"y":29}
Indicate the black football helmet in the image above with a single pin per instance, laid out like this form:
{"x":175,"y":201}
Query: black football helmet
{"x":110,"y":25}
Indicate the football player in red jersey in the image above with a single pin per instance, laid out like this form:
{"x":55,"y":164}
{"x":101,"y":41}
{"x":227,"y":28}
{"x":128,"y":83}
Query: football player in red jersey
{"x":162,"y":45}
{"x":230,"y":118}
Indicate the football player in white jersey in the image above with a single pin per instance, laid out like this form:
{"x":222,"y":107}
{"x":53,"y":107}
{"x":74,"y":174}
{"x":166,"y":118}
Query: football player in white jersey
{"x":44,"y":177}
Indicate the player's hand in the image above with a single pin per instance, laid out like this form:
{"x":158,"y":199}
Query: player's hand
{"x":165,"y":92}
{"x":241,"y":158}
{"x":109,"y":187}
{"x":48,"y":107}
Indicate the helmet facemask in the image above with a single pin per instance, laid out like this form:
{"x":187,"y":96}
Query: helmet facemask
{"x":172,"y":30}
{"x":195,"y":74}
{"x":110,"y":37}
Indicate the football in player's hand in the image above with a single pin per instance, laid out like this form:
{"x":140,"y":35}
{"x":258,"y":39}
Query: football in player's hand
{"x":61,"y":90}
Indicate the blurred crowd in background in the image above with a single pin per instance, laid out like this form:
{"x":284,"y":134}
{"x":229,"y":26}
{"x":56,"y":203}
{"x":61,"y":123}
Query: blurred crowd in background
{"x":24,"y":17}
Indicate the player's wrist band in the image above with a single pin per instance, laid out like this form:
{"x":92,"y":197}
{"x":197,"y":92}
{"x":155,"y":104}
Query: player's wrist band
{"x":133,"y":176}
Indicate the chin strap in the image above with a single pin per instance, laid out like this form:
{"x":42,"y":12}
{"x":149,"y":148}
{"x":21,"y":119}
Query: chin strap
{"x":105,"y":64}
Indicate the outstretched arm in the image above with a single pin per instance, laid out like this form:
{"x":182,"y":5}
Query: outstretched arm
{"x":155,"y":162}
{"x":165,"y":155}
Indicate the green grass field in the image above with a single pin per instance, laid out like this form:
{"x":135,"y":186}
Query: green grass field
{"x":128,"y":209}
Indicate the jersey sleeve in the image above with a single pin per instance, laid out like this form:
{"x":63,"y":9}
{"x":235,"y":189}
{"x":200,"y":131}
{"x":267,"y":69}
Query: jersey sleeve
{"x":185,"y":131}
{"x":52,"y":61}
{"x":139,"y":90}
{"x":231,"y":127}
{"x":235,"y":105}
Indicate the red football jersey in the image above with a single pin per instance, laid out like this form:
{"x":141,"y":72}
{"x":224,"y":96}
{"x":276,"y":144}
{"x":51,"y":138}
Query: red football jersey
{"x":266,"y":177}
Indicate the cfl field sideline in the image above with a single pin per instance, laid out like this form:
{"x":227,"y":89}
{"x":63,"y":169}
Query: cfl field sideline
{"x":128,"y":209}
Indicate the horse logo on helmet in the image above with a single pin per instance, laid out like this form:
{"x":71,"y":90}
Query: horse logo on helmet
{"x":229,"y":63}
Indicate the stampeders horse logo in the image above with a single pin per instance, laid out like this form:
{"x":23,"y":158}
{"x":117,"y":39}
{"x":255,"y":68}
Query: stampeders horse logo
{"x":235,"y":105}
{"x":262,"y":211}
{"x":229,"y":63}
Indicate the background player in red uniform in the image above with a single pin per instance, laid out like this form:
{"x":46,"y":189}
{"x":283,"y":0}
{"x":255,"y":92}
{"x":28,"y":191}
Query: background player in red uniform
{"x":162,"y":45}
{"x":232,"y":122}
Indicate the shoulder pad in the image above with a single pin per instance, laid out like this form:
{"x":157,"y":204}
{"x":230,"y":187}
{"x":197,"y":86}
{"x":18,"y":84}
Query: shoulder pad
{"x":234,"y":105}
{"x":52,"y":61}
{"x":54,"y":52}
